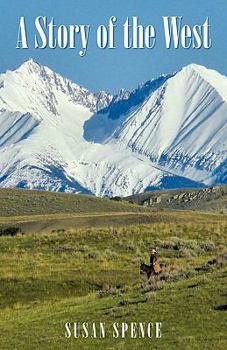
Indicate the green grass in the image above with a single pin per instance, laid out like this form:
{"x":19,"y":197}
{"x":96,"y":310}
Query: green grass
{"x":16,"y":202}
{"x":87,"y":274}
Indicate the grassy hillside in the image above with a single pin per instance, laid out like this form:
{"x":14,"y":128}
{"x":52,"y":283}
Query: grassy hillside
{"x":92,"y":274}
{"x":15,"y":202}
{"x":77,"y":258}
{"x":34,"y":211}
{"x":206,"y":199}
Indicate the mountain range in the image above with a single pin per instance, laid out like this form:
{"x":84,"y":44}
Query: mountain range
{"x":167,"y":133}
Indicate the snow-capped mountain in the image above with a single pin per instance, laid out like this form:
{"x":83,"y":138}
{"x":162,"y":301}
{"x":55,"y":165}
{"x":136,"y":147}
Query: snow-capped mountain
{"x":56,"y":135}
{"x":181,"y":126}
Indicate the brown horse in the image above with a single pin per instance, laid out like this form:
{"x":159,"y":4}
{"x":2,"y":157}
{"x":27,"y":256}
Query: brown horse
{"x":150,"y":269}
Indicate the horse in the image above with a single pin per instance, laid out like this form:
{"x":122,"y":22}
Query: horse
{"x":150,"y":270}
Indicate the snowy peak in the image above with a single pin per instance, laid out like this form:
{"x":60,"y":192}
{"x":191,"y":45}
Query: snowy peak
{"x":169,"y":132}
{"x":41,"y":89}
{"x":30,"y":66}
{"x":180,"y":124}
{"x":212,"y":77}
{"x":192,"y":67}
{"x":183,"y":124}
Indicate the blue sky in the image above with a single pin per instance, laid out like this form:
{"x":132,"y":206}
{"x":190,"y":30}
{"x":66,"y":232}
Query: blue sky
{"x":113,"y":69}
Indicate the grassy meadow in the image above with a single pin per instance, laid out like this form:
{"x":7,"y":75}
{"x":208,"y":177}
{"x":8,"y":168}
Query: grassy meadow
{"x":87,"y":269}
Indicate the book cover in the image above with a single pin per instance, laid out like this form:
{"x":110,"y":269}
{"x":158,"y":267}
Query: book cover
{"x":113,"y":196}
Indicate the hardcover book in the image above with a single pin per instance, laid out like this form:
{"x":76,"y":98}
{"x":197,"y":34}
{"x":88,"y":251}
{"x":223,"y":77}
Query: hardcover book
{"x":113,"y":173}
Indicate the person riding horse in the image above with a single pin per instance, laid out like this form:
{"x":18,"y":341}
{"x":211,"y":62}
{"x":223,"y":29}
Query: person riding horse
{"x":153,"y":257}
{"x":155,"y":267}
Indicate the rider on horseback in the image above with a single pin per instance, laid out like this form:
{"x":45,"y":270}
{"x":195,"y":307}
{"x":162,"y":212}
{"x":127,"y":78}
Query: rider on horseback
{"x":155,"y":267}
